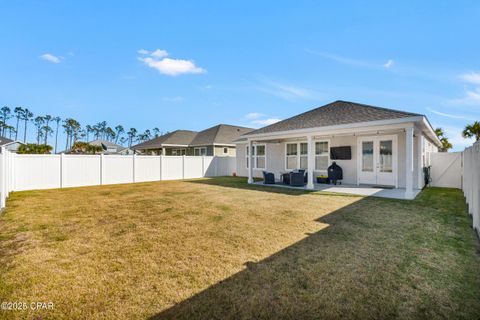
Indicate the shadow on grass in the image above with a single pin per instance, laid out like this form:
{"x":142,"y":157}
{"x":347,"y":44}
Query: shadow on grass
{"x":360,"y":266}
{"x":241,"y":183}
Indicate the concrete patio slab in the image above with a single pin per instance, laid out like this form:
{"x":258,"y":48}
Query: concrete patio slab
{"x":361,"y":190}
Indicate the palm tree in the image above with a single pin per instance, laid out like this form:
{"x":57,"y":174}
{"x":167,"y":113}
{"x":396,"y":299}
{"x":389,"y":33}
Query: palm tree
{"x":88,"y":129}
{"x":101,"y":129}
{"x":26,"y":116}
{"x":11,"y":129}
{"x":57,"y":121}
{"x":109,"y":134}
{"x":132,"y":133}
{"x":4,"y":115}
{"x":156,"y":132}
{"x":443,"y":139}
{"x":119,"y":130}
{"x":39,"y":121}
{"x":18,"y":114}
{"x":73,"y":130}
{"x":46,"y":127}
{"x":472,"y":130}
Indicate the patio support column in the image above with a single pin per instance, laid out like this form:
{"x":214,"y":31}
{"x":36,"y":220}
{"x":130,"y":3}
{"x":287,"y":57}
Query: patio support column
{"x":420,"y":160}
{"x":310,"y":161}
{"x":250,"y":166}
{"x":409,"y":162}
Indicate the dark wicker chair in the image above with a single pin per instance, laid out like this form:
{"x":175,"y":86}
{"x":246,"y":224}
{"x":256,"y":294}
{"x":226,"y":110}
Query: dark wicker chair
{"x":268,"y":177}
{"x":297,"y":179}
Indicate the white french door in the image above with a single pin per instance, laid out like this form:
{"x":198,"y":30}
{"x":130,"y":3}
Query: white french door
{"x":377,"y":160}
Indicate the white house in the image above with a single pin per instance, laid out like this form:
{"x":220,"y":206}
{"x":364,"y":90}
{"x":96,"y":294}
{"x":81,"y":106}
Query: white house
{"x":387,"y":147}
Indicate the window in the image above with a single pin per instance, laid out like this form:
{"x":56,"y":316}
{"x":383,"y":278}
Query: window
{"x":200,"y":151}
{"x":258,"y":156}
{"x":322,"y":156}
{"x":292,"y":155}
{"x":178,"y":152}
{"x":297,"y":155}
{"x":367,"y":156}
{"x":225,"y":150}
{"x":304,"y":156}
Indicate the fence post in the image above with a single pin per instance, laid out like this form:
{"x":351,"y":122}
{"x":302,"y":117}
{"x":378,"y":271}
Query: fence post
{"x":134,"y":157}
{"x":3,"y":182}
{"x":102,"y":177}
{"x":62,"y":170}
{"x":203,"y":166}
{"x":183,"y":167}
{"x":161,"y":167}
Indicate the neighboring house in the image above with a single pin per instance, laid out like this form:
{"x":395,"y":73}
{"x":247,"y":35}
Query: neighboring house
{"x":108,"y":147}
{"x":10,"y":144}
{"x":217,"y":140}
{"x":388,"y":147}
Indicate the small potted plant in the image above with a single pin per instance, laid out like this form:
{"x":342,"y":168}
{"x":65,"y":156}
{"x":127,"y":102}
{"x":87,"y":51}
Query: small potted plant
{"x":322,"y":179}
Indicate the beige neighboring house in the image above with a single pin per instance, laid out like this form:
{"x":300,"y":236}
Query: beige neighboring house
{"x":374,"y":146}
{"x":9,"y":144}
{"x":214,"y":141}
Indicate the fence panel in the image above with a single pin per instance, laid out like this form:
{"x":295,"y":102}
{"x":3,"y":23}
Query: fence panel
{"x":34,"y":171}
{"x":80,"y":170}
{"x":193,"y":167}
{"x":147,"y":168}
{"x":446,"y":169}
{"x":117,"y":169}
{"x":172,"y":168}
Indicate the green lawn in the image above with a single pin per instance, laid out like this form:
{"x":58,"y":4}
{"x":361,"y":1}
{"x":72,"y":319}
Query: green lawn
{"x":219,"y":248}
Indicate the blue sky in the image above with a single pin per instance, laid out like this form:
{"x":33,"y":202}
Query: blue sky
{"x":191,"y":65}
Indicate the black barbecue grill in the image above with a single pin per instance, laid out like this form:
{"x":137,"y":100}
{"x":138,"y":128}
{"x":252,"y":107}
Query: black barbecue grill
{"x":335,"y":173}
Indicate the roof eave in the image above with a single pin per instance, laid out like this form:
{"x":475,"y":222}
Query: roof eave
{"x":336,"y":127}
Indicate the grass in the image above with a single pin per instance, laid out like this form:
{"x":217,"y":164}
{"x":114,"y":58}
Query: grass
{"x":219,"y":248}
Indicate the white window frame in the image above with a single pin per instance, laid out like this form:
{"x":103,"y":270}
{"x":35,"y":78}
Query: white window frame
{"x":328,"y":154}
{"x":199,"y":149}
{"x":298,"y":143}
{"x":179,"y":150}
{"x":254,"y":156}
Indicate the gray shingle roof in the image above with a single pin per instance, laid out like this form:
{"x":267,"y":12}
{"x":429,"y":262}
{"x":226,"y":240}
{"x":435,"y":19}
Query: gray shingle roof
{"x":335,"y":113}
{"x":177,"y":137}
{"x":4,"y":141}
{"x":219,"y":134}
{"x":105,"y":144}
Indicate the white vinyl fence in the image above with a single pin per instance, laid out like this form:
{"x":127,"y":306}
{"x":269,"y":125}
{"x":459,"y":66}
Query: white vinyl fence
{"x":471,"y":182}
{"x":446,"y":170}
{"x":30,"y":171}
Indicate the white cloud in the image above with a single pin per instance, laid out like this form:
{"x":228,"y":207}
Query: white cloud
{"x":158,"y":60}
{"x":350,"y":61}
{"x":470,"y":98}
{"x":257,"y":119}
{"x":472,"y":77}
{"x":159,"y":53}
{"x":447,"y":115}
{"x":50,"y":58}
{"x":285,"y":91}
{"x":340,"y":59}
{"x":253,"y":115}
{"x":266,"y":122}
{"x":388,"y":64}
